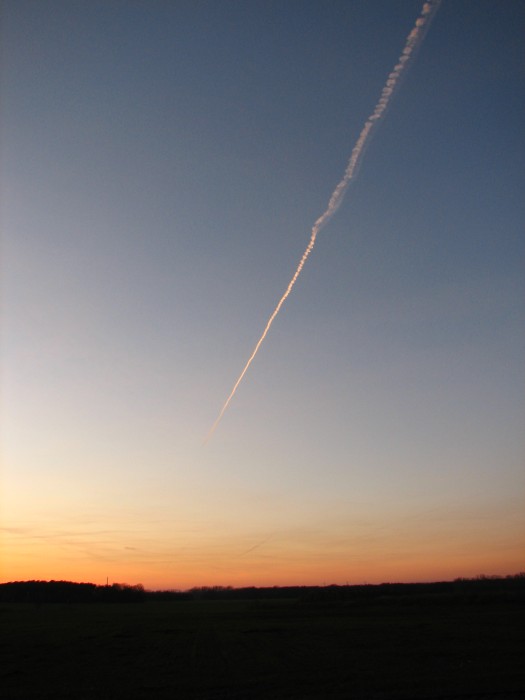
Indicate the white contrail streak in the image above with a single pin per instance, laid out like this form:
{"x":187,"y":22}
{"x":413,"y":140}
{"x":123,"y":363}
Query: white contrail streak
{"x":414,"y":39}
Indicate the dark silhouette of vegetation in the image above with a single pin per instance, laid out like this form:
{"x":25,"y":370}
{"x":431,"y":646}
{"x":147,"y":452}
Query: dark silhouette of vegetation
{"x":69,"y":592}
{"x":461,"y":590}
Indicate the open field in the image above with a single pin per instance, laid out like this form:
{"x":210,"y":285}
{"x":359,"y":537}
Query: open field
{"x":263,"y":649}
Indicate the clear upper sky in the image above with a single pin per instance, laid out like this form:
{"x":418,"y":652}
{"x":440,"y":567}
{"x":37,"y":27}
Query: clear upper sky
{"x":163,"y":163}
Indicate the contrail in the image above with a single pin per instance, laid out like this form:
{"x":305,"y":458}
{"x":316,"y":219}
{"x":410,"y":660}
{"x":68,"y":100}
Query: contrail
{"x":413,"y":41}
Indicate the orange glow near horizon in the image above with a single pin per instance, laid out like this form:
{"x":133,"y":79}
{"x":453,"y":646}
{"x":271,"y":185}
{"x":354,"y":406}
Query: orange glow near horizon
{"x":319,"y":559}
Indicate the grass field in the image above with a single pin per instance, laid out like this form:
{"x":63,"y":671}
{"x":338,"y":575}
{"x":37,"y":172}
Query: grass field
{"x":261,"y":649}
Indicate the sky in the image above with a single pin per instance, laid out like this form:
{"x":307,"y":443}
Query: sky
{"x":163,"y":163}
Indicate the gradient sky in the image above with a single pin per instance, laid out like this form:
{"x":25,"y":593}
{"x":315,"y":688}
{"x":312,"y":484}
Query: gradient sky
{"x":163,"y":163}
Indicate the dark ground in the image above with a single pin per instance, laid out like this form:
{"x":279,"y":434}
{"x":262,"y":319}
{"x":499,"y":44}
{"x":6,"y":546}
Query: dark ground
{"x":253,"y":650}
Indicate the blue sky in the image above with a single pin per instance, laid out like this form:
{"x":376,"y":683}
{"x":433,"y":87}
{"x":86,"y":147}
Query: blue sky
{"x":163,"y":164}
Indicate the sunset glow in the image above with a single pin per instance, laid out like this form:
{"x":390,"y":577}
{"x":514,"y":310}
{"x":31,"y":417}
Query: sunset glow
{"x":162,"y":167}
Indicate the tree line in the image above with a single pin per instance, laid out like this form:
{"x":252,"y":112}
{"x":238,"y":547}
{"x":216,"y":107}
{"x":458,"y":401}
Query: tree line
{"x":477,"y":589}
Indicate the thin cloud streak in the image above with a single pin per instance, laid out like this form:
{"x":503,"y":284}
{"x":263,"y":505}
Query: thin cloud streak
{"x":413,"y":41}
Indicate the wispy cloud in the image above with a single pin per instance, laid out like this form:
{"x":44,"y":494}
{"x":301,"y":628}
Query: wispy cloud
{"x":412,"y":42}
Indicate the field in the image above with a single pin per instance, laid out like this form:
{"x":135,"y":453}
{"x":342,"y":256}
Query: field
{"x":218,"y":649}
